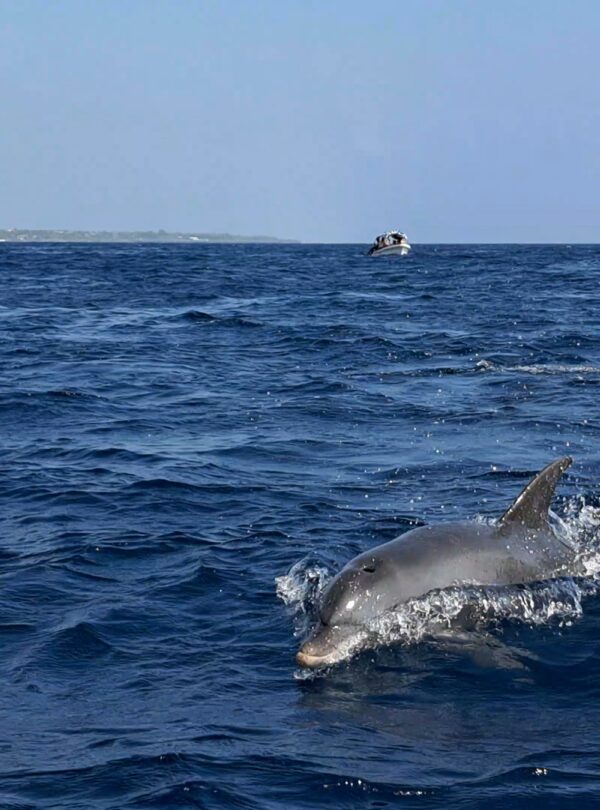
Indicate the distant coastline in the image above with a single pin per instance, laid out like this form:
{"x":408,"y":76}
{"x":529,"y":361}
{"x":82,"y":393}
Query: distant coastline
{"x":35,"y":235}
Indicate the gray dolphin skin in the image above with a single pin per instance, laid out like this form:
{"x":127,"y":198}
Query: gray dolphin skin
{"x":519,"y":548}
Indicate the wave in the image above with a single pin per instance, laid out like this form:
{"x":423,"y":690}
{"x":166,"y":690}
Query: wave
{"x":410,"y":368}
{"x":76,"y":646}
{"x":200,"y":316}
{"x":169,"y":485}
{"x":18,"y":400}
{"x":196,"y":315}
{"x":539,"y":368}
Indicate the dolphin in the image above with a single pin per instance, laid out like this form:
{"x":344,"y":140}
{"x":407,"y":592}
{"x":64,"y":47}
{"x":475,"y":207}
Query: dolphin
{"x":520,"y":547}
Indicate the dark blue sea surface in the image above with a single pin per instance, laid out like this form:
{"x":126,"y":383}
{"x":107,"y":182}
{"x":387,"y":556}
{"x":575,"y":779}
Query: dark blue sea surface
{"x":196,"y":437}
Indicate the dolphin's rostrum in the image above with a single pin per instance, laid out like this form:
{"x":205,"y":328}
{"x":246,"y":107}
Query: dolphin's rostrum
{"x":521,"y":547}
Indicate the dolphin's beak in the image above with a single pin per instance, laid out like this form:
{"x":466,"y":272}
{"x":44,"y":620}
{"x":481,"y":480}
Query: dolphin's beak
{"x":308,"y":661}
{"x":326,"y":646}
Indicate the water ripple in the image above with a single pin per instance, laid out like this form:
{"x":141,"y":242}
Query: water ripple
{"x":191,"y":431}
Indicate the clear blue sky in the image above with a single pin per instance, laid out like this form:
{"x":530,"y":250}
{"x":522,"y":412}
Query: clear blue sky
{"x":324,"y":120}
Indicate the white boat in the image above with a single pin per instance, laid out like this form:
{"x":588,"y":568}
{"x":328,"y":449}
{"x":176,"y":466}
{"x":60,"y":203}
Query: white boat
{"x":391,"y":243}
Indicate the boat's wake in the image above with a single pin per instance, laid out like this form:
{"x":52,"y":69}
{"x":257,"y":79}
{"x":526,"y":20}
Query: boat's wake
{"x":556,"y":602}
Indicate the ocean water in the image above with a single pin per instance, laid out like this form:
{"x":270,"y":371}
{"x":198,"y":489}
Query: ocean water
{"x":196,"y":437}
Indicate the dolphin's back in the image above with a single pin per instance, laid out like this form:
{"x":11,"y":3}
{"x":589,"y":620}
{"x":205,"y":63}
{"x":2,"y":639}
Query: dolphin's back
{"x":435,"y":557}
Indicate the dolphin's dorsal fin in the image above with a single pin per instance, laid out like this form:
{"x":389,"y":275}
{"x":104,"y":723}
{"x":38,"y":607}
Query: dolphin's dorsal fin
{"x":531,"y":507}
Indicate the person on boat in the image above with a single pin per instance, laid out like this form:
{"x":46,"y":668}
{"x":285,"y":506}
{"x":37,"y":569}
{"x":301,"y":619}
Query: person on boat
{"x":377,"y":244}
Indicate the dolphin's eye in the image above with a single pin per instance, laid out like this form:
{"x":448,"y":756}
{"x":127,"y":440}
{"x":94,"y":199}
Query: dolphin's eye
{"x":370,"y":569}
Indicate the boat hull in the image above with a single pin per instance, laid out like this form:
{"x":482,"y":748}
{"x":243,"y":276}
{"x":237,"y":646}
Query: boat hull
{"x":391,"y":250}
